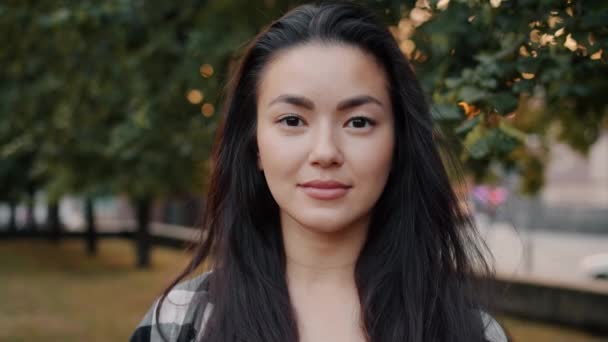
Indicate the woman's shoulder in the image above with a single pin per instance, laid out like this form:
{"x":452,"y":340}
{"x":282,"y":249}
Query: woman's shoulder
{"x":493,"y":330}
{"x":186,"y":309}
{"x":182,"y":315}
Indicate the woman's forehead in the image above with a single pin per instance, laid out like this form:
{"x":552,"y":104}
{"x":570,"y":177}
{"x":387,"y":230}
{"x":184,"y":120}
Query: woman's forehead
{"x":322,"y":72}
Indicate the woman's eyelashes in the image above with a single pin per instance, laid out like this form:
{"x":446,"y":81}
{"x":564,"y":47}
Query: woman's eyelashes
{"x":361,"y":121}
{"x":293,"y":120}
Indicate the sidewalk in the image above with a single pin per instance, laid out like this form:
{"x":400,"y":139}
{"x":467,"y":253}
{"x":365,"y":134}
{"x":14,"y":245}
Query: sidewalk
{"x":555,"y":258}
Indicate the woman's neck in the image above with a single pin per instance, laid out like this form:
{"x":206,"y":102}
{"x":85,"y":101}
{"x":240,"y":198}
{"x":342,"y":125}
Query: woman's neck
{"x":319,"y":259}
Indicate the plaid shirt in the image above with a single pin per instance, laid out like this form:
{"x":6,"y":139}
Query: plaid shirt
{"x":178,"y":320}
{"x":182,"y":322}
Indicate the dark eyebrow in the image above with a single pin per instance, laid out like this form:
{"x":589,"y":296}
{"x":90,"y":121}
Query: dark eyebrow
{"x":294,"y":100}
{"x":303,"y":102}
{"x":358,"y":101}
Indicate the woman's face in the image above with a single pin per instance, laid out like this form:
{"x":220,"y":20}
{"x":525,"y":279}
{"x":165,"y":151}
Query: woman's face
{"x":324,"y":134}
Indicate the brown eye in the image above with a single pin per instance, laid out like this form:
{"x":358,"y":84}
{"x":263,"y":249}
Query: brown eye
{"x":360,"y":122}
{"x":291,"y":121}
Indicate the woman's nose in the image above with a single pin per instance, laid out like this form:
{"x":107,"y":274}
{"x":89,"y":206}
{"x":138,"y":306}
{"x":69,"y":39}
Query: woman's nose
{"x":325,"y":147}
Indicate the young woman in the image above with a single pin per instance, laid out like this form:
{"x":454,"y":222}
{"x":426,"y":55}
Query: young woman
{"x":330,"y":215}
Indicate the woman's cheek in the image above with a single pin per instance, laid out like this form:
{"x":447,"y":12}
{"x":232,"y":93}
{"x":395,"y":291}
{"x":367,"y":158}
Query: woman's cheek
{"x":281,"y":158}
{"x":372,"y":173}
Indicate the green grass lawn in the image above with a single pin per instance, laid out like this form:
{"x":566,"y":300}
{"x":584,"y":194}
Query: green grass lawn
{"x":54,"y":292}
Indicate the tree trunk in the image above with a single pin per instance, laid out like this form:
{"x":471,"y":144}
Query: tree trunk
{"x":12,"y":219}
{"x":53,"y":221}
{"x":143,"y":232}
{"x":30,"y":220}
{"x":91,"y":232}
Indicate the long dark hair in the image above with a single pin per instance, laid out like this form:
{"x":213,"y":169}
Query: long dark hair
{"x":415,"y":272}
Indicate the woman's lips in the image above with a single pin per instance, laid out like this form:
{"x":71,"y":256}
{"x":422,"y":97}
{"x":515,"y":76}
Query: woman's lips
{"x":324,"y":190}
{"x":325,"y":194}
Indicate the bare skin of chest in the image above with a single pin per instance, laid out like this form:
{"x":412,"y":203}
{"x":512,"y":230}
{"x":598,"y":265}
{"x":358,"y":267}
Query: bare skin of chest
{"x":329,"y":316}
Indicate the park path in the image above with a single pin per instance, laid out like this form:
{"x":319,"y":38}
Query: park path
{"x":542,"y":256}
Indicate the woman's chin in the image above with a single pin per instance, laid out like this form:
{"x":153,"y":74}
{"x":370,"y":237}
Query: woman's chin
{"x":325,"y":224}
{"x":322,"y":220}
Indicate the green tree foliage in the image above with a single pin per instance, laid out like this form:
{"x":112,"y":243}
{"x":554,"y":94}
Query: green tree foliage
{"x":504,"y":75}
{"x":109,"y":96}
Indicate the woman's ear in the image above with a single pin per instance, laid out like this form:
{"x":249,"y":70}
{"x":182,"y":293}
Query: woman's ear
{"x":259,"y":162}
